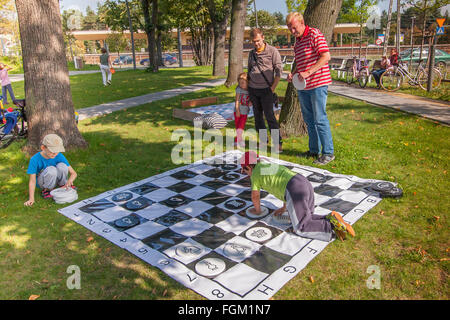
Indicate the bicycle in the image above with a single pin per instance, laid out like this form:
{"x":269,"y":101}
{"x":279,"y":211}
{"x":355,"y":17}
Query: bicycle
{"x":12,"y":123}
{"x":359,"y":71}
{"x":392,"y":78}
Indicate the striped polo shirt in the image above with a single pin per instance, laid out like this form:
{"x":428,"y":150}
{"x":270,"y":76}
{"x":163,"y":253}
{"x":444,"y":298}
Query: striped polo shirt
{"x":307,"y":51}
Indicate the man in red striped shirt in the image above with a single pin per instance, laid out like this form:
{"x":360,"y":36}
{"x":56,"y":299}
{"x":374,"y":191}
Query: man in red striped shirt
{"x":311,"y":59}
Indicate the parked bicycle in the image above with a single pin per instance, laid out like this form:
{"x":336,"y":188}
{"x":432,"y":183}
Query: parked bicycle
{"x":392,"y":78}
{"x":12,"y":123}
{"x":359,"y":71}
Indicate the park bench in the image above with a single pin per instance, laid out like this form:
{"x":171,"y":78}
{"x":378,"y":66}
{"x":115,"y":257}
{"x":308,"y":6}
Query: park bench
{"x":340,"y":65}
{"x":287,"y":60}
{"x":336,"y":63}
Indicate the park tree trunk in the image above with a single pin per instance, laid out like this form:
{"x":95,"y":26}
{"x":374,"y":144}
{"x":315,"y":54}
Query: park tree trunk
{"x":148,"y":27}
{"x":154,"y":52}
{"x":291,"y":119}
{"x":49,"y":103}
{"x":219,"y":12}
{"x":388,"y":28}
{"x":235,"y":55}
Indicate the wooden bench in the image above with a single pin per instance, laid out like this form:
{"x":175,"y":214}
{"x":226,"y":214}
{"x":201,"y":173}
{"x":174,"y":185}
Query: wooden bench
{"x":198,"y":102}
{"x":189,"y":115}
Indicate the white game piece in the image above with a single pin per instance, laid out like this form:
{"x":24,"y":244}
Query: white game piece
{"x":188,"y":251}
{"x":283,"y":218}
{"x":63,"y":195}
{"x":264,"y":212}
{"x":298,"y":84}
{"x":210,"y":267}
{"x":258,"y":234}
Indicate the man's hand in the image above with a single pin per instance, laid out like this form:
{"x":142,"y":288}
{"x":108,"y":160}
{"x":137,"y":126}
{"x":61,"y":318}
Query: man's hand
{"x":304,"y":75}
{"x":289,"y":77}
{"x":29,"y":203}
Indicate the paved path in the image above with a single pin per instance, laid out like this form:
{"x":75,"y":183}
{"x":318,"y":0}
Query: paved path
{"x":19,"y":76}
{"x":109,"y":107}
{"x":427,"y":108}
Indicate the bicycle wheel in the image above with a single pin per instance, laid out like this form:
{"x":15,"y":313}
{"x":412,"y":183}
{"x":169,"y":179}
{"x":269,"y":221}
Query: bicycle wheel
{"x":391,"y":80}
{"x":422,"y":79}
{"x":363,"y":77}
{"x":349,"y":76}
{"x":7,"y":138}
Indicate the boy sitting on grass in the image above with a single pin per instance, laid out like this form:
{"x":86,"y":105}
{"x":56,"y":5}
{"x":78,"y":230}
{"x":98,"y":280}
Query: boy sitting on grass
{"x":297,"y":193}
{"x":49,"y":169}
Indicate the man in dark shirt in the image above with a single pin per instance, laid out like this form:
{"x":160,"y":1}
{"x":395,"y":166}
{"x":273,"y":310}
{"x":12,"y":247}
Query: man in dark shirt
{"x":264,"y":70}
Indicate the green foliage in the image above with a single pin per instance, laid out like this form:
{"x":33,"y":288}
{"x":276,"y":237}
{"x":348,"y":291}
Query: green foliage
{"x":267,"y":21}
{"x":117,"y":42}
{"x":114,"y":14}
{"x":296,"y":5}
{"x":358,"y":11}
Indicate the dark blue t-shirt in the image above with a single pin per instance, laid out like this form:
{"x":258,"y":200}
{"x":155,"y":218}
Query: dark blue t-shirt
{"x":39,"y":163}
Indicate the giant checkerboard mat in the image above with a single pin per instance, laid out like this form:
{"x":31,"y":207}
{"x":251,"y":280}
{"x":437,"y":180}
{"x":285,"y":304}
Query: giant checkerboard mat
{"x":190,"y":222}
{"x":226,"y":110}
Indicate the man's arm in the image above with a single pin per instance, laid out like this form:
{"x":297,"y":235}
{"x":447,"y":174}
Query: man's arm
{"x":31,"y":189}
{"x":276,"y":80}
{"x":323,"y":59}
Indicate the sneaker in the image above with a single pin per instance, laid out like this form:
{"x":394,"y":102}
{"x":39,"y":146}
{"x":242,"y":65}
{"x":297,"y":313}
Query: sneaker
{"x":46,"y":194}
{"x":324,"y":159}
{"x":308,"y":154}
{"x":108,"y":82}
{"x":340,"y":227}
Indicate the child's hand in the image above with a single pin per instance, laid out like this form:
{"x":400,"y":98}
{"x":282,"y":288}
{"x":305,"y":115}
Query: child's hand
{"x":238,"y":113}
{"x":253,"y":210}
{"x":279,"y":211}
{"x":68,"y":184}
{"x":29,"y":203}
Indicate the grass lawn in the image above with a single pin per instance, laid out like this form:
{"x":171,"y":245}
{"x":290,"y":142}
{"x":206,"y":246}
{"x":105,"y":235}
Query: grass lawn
{"x":88,"y":89}
{"x":407,"y":239}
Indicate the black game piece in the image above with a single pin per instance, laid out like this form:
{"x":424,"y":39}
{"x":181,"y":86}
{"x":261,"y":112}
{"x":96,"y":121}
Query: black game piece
{"x":122,"y":196}
{"x":392,"y":193}
{"x":382,"y":186}
{"x":317,"y":177}
{"x":127,"y":222}
{"x":234,"y":204}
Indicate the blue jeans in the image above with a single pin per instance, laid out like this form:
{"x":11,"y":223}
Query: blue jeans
{"x":313,"y":105}
{"x":377,"y":74}
{"x":11,"y":93}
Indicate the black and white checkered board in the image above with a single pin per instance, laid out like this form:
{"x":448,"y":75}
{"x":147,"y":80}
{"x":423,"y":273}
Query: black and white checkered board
{"x":190,"y":222}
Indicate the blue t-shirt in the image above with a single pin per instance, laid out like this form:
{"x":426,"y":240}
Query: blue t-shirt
{"x":39,"y":163}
